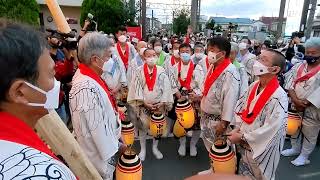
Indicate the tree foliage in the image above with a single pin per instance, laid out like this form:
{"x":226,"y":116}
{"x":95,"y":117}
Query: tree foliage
{"x":180,"y":24}
{"x":109,"y":14}
{"x":26,"y":11}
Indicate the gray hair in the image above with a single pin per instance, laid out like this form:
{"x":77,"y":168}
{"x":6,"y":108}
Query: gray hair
{"x":234,"y":47}
{"x":92,"y":44}
{"x":313,"y":42}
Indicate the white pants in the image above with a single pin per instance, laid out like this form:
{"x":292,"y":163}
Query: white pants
{"x":309,"y":131}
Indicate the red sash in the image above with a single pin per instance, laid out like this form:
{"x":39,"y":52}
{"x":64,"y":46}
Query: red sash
{"x":173,"y":61}
{"x":186,"y":83}
{"x":211,"y":78}
{"x":307,"y":76}
{"x":88,"y":72}
{"x":207,"y":63}
{"x":15,"y":130}
{"x":151,"y":81}
{"x":271,"y":87}
{"x":124,"y":57}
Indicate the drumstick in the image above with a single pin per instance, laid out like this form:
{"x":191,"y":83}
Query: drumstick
{"x":54,"y":132}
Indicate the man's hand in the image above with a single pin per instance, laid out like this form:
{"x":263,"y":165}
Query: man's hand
{"x":159,"y":107}
{"x":178,"y":95}
{"x":148,"y":106}
{"x":235,"y":136}
{"x":221,"y":127}
{"x":86,"y":24}
{"x":300,"y":104}
{"x":194,"y":97}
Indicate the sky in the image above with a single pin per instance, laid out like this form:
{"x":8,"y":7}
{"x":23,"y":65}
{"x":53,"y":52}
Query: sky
{"x":230,"y":8}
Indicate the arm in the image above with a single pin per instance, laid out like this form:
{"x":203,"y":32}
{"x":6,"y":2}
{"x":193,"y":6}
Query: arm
{"x":314,"y":98}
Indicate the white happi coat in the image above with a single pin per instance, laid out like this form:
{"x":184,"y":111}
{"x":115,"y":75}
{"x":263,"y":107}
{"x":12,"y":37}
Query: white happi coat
{"x":196,"y":80}
{"x":18,"y":161}
{"x":132,"y":52}
{"x":243,"y":77}
{"x":248,"y":60}
{"x":265,"y":135}
{"x":169,"y":70}
{"x":115,"y":76}
{"x":219,"y":103}
{"x":203,"y":64}
{"x":134,"y":64}
{"x":139,"y":93}
{"x":96,"y":125}
{"x":309,"y":90}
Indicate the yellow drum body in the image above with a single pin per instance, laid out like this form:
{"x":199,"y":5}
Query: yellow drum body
{"x":129,"y":167}
{"x":223,"y":158}
{"x":178,"y":130}
{"x":185,"y":114}
{"x":127,"y":133}
{"x":294,"y":123}
{"x":158,"y":125}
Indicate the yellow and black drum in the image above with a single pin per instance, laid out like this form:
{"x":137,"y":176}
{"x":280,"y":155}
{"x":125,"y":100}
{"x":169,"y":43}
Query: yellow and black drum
{"x":158,"y":125}
{"x":223,"y":158}
{"x":178,"y":130}
{"x":127,"y":133}
{"x":129,"y":167}
{"x":294,"y":123}
{"x":185,"y":114}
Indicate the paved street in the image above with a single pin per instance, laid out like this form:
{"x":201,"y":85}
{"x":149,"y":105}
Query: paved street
{"x":173,"y":167}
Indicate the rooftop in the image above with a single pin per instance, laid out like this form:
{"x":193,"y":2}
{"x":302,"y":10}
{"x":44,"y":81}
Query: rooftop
{"x":76,"y":3}
{"x":224,"y":20}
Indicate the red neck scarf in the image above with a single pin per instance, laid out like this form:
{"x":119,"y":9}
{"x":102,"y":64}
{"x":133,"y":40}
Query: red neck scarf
{"x":124,"y":57}
{"x":90,"y":73}
{"x":15,"y":130}
{"x":186,"y":83}
{"x":207,"y":63}
{"x":271,"y":87}
{"x":212,"y":77}
{"x":150,"y":80}
{"x":173,"y":61}
{"x":307,"y":76}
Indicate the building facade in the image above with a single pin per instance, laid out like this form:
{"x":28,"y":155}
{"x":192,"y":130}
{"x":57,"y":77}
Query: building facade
{"x":70,"y":8}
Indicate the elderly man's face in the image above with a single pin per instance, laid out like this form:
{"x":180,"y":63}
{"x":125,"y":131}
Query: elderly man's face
{"x":198,"y":50}
{"x":313,"y":51}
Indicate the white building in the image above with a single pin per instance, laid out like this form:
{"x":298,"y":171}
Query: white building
{"x":70,"y":8}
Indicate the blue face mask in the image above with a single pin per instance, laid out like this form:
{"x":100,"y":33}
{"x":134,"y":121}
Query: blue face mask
{"x":311,"y":59}
{"x":185,"y":57}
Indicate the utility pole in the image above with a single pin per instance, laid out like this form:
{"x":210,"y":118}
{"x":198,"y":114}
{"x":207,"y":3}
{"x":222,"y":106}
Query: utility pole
{"x":152,"y":21}
{"x":281,"y":19}
{"x":311,"y":18}
{"x":194,"y":8}
{"x":304,"y":15}
{"x":172,"y":21}
{"x":143,"y":18}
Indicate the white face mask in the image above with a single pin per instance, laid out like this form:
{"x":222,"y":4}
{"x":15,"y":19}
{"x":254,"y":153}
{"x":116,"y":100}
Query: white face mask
{"x":52,"y":101}
{"x":122,"y":38}
{"x":158,"y":49}
{"x":169,"y":46}
{"x":107,"y":65}
{"x":151,"y":61}
{"x":259,"y":68}
{"x":212,"y":57}
{"x":142,"y":51}
{"x":176,"y":53}
{"x":199,"y":55}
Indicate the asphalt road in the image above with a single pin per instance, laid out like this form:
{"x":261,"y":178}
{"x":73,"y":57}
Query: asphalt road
{"x":173,"y":167}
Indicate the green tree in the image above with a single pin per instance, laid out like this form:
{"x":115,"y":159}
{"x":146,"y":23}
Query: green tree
{"x":109,"y":14}
{"x":26,"y":11}
{"x":180,"y":24}
{"x":210,"y":24}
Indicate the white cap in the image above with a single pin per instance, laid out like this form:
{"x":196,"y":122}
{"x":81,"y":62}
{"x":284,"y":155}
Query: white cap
{"x":243,"y":46}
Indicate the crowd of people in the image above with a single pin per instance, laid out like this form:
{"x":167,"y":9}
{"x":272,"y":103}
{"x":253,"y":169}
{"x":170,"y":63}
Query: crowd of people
{"x":240,"y":92}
